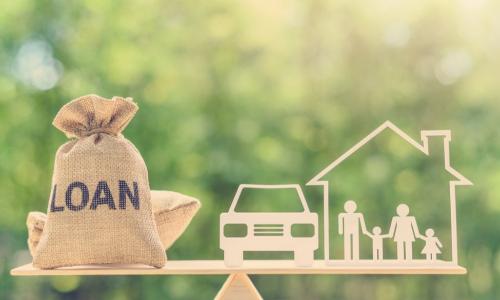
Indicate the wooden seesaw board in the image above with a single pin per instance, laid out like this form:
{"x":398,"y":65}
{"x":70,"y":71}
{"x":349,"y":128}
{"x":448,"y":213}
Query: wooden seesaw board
{"x":238,"y":285}
{"x":217,"y":267}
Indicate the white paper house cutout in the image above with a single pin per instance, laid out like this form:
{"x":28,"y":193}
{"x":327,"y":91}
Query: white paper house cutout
{"x":458,"y":179}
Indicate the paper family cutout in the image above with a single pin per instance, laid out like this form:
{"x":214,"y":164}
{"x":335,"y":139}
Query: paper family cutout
{"x":403,"y":230}
{"x":271,"y":231}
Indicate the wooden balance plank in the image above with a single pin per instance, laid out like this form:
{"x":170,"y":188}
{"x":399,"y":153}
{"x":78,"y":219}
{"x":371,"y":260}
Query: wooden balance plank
{"x":217,"y":267}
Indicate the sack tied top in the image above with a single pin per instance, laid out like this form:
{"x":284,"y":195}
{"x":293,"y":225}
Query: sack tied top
{"x":92,"y":114}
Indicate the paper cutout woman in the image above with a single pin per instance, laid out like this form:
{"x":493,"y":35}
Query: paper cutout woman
{"x":432,"y":245}
{"x":404,"y":230}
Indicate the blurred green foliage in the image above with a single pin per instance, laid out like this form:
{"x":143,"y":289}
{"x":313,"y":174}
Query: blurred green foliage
{"x":254,"y":91}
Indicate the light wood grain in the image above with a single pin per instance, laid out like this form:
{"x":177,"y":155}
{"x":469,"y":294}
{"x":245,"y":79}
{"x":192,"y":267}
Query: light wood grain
{"x":238,"y":287}
{"x":217,"y":267}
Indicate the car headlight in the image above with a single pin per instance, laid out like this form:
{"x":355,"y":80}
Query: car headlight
{"x":235,"y":230}
{"x":302,"y":230}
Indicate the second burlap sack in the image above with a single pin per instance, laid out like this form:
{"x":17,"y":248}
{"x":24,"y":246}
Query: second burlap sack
{"x":99,"y":210}
{"x":173,"y":212}
{"x":35,"y":223}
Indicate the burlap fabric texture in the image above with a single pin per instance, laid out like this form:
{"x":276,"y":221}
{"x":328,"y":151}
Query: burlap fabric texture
{"x":35,"y":223}
{"x":173,"y":212}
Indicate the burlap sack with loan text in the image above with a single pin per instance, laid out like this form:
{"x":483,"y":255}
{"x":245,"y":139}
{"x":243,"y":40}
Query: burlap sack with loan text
{"x":99,"y":209}
{"x":172,"y":213}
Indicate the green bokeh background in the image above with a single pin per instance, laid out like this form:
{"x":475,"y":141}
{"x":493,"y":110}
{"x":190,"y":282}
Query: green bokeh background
{"x":252,"y":91}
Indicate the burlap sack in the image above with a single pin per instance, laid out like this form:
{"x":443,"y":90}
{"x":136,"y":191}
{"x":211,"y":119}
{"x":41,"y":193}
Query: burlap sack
{"x":35,"y":223}
{"x":173,"y":212}
{"x":99,"y":209}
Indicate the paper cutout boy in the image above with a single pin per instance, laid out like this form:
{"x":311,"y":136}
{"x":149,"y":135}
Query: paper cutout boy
{"x":377,"y":242}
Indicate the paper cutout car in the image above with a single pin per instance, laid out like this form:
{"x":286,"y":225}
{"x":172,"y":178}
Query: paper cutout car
{"x":269,"y":231}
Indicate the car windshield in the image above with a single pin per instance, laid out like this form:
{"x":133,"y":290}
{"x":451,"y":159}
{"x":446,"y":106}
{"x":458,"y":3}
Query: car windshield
{"x":269,"y":200}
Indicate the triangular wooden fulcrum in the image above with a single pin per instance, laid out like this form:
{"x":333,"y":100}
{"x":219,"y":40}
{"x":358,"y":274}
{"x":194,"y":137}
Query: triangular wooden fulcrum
{"x":238,"y":286}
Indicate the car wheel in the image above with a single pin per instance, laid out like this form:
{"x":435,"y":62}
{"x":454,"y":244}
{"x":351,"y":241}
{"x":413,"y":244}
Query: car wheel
{"x":304,"y":258}
{"x":233,"y":258}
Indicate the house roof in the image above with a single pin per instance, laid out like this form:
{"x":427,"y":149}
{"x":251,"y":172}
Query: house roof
{"x":424,"y":147}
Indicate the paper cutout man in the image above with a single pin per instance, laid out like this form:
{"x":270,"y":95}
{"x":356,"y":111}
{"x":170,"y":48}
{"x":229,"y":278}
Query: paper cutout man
{"x":349,"y":223}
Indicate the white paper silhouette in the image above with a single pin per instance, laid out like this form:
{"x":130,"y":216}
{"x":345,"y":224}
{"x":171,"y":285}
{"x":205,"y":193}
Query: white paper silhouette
{"x":401,"y":235}
{"x":268,"y":231}
{"x":432,"y":245}
{"x":377,"y":243}
{"x":404,"y":230}
{"x":350,"y":223}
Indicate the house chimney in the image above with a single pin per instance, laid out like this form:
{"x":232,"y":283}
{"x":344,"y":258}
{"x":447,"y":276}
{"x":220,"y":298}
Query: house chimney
{"x":437,"y":145}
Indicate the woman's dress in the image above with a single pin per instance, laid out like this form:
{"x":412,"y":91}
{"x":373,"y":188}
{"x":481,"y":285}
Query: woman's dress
{"x":431,"y":246}
{"x":404,"y":229}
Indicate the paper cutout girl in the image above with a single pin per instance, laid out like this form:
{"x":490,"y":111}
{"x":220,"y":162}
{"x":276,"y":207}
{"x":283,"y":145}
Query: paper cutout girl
{"x":432,"y":245}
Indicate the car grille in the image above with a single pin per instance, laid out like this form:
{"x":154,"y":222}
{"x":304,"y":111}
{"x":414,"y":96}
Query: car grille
{"x":268,"y":230}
